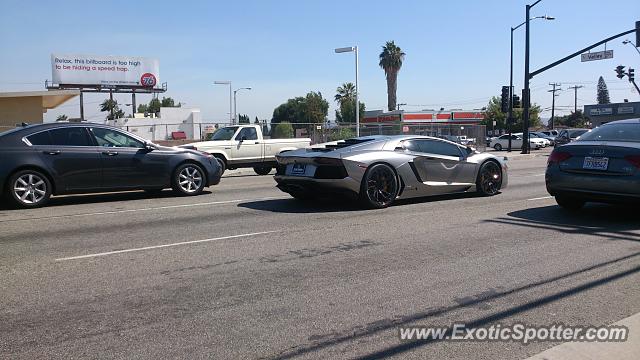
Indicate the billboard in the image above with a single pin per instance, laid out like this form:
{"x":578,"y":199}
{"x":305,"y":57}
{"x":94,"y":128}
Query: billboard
{"x":94,"y":70}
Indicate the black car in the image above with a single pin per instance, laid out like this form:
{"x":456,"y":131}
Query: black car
{"x":568,"y":135}
{"x":37,"y":161}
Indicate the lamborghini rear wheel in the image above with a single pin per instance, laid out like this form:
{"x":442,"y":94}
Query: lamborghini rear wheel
{"x":379,"y":186}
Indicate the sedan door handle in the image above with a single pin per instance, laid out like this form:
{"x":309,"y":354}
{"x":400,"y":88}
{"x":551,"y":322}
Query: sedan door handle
{"x":52,"y":152}
{"x":109,"y":153}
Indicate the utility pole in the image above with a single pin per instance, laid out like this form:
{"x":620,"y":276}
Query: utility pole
{"x":575,"y":101}
{"x":553,"y":102}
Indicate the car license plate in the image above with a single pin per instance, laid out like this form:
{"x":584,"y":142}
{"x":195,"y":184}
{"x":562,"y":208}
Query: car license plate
{"x":298,"y":169}
{"x":595,"y":163}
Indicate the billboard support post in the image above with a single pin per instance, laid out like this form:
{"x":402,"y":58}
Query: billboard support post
{"x":81,"y":106}
{"x":111,"y":106}
{"x":133,"y":102}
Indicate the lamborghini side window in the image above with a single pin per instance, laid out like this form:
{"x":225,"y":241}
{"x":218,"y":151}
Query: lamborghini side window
{"x":439,"y":148}
{"x":411,"y":145}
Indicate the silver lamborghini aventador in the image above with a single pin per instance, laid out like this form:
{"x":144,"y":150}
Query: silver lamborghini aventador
{"x":380,"y":169}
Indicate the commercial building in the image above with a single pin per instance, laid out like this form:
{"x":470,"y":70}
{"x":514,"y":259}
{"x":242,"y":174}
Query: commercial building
{"x":444,"y":117}
{"x":603,"y":113}
{"x":30,"y":106}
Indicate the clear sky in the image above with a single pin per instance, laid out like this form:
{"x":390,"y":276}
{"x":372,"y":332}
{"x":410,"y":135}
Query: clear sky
{"x":457,"y":51}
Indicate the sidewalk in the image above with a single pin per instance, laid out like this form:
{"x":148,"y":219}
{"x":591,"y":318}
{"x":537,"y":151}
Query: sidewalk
{"x":628,"y":350}
{"x":516,"y":155}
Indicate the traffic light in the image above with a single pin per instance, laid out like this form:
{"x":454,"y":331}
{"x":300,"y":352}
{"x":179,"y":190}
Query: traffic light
{"x":516,"y":101}
{"x":504,"y":99}
{"x":631,"y":75}
{"x":620,"y":71}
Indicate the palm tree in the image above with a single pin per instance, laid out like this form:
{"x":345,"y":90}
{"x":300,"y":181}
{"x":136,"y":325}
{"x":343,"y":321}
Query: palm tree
{"x":344,"y":92}
{"x":391,"y":59}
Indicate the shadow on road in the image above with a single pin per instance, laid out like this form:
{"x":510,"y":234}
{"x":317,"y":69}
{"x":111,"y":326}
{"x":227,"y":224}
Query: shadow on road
{"x":106,"y":198}
{"x":608,"y":221}
{"x":329,"y":204}
{"x":358,"y":332}
{"x":294,"y":206}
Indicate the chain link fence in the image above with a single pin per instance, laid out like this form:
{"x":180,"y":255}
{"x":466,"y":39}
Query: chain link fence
{"x":472,"y":135}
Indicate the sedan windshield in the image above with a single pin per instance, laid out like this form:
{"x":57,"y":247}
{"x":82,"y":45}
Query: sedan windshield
{"x":225,"y":133}
{"x":614,"y":132}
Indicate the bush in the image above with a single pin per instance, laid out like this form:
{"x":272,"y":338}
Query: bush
{"x":283,"y":130}
{"x":343,"y":133}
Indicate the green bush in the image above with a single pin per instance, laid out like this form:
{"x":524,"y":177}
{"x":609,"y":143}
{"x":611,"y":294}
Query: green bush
{"x":283,"y":130}
{"x":343,"y":133}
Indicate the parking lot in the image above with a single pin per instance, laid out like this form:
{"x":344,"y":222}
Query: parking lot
{"x":244,"y":271}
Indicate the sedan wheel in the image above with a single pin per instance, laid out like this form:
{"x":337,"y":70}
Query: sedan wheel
{"x":489,"y":179}
{"x":379,"y":186}
{"x":188,"y":179}
{"x":29,"y":189}
{"x":498,"y":147}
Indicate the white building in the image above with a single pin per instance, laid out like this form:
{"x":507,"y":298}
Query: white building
{"x":171,"y":119}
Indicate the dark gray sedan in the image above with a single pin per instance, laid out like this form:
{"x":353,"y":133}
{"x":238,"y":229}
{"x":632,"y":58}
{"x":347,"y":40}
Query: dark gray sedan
{"x":603,"y":165}
{"x":38,"y":161}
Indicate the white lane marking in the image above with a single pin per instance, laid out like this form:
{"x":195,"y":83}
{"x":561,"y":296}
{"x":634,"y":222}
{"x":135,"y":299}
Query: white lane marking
{"x":147,"y":209}
{"x":162,"y":246}
{"x":525,"y":176}
{"x":540,"y":198}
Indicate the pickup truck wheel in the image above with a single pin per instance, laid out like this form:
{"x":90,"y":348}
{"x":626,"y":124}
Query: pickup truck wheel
{"x":222,"y":164}
{"x":262,"y":170}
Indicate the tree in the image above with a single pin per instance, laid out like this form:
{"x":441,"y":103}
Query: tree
{"x":283,"y":130}
{"x":300,"y":111}
{"x":493,"y":113}
{"x":574,"y":120}
{"x":346,"y":91}
{"x":143,"y":108}
{"x":256,"y":121}
{"x":112,"y":107}
{"x":347,"y":114}
{"x":391,"y":59}
{"x":603,"y":92}
{"x":243,"y":119}
{"x":62,"y":117}
{"x":346,"y":99}
{"x":154,"y":106}
{"x":168,"y":102}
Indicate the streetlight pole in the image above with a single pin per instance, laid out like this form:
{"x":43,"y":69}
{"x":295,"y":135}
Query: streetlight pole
{"x":527,"y":92}
{"x":510,"y":117}
{"x":625,"y":42}
{"x":354,"y":49}
{"x":227,"y":82}
{"x":235,"y":104}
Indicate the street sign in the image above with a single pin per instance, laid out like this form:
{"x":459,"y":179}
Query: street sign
{"x":598,"y":55}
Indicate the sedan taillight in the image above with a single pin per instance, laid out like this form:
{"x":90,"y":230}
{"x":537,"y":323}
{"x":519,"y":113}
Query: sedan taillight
{"x":557,"y":157}
{"x":634,"y":159}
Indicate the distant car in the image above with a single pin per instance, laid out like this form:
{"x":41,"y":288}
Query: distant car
{"x":542,"y":135}
{"x":568,"y":135}
{"x":38,"y":161}
{"x":380,"y":169}
{"x":551,"y":133}
{"x":603,"y":165}
{"x":502,"y":142}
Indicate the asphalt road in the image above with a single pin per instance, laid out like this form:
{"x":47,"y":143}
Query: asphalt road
{"x":246,"y":272}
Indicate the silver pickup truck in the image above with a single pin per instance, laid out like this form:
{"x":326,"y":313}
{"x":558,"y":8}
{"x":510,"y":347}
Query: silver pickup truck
{"x":244,"y":146}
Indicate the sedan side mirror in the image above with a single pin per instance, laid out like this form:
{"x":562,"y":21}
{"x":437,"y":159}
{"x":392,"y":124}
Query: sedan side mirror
{"x":149,"y":146}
